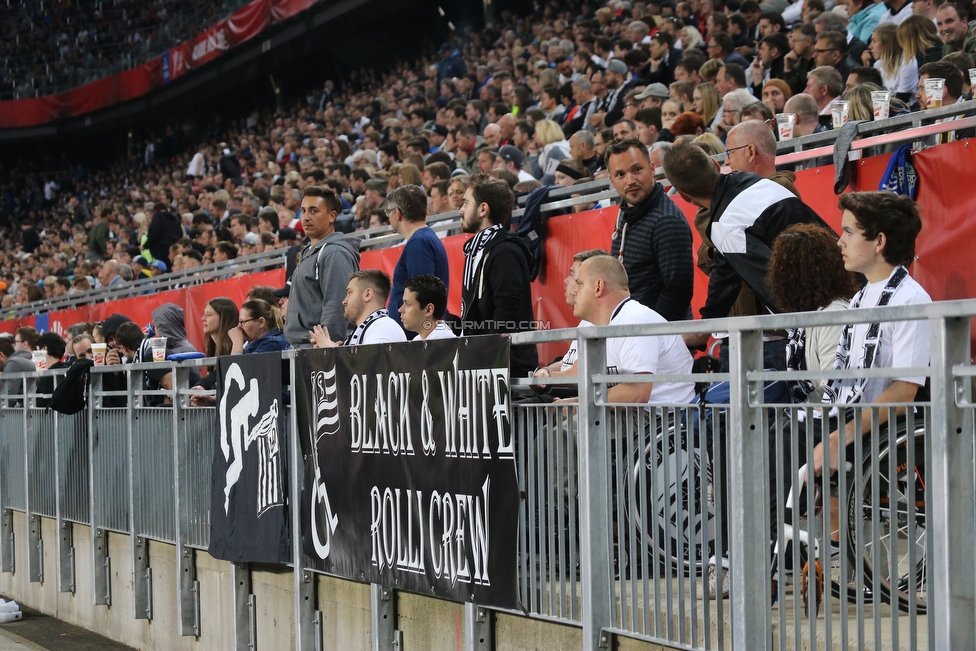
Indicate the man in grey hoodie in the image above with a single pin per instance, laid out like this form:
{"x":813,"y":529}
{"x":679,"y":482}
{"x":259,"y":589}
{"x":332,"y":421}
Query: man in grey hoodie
{"x":325,"y":263}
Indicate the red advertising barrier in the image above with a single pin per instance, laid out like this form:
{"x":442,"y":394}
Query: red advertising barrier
{"x":944,"y":250}
{"x":243,"y":24}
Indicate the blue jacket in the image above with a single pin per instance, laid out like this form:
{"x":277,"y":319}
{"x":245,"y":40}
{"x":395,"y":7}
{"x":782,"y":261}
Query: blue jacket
{"x":271,"y":342}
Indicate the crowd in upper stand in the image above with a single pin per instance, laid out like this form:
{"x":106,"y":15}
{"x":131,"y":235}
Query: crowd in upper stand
{"x":45,"y":45}
{"x":532,"y":100}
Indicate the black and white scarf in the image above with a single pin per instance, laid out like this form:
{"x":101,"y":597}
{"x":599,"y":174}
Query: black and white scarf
{"x":872,"y":342}
{"x":357,"y":335}
{"x":796,"y":360}
{"x":473,"y":249}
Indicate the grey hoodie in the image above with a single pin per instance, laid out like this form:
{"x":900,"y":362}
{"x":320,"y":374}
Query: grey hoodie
{"x":318,"y":287}
{"x":168,"y":322}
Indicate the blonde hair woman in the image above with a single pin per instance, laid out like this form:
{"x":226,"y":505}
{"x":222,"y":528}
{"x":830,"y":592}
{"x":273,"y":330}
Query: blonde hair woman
{"x":900,"y":75}
{"x":550,"y":139}
{"x":706,"y":102}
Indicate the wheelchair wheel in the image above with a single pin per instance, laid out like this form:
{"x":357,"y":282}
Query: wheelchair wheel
{"x":894,"y":534}
{"x":669,"y":483}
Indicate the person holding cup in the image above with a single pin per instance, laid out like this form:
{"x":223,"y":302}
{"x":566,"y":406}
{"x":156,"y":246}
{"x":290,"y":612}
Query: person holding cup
{"x":942,"y":81}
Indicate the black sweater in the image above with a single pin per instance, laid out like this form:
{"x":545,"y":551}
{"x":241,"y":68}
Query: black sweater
{"x":658,"y":255}
{"x":500,"y":297}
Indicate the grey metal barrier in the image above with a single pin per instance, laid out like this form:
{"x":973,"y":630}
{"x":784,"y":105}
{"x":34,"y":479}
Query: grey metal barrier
{"x":627,"y":512}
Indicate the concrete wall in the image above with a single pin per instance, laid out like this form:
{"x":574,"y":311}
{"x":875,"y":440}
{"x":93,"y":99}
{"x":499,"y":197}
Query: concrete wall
{"x":425,"y":623}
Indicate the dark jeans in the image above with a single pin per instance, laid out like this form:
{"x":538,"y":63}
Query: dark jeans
{"x":774,"y":355}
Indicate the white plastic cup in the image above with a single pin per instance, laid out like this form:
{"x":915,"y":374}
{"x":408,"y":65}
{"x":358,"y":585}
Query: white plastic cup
{"x":933,"y":92}
{"x":40,"y":359}
{"x":158,"y":345}
{"x":839,"y":110}
{"x":881,"y":99}
{"x":785,"y":123}
{"x":98,"y":353}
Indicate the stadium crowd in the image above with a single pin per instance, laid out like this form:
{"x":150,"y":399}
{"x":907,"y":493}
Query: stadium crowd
{"x":45,"y":45}
{"x":533,"y":100}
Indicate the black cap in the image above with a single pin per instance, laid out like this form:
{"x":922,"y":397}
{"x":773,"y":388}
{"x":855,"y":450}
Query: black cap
{"x":284,"y":291}
{"x":287,"y":234}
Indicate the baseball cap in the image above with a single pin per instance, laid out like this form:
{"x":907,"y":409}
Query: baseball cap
{"x":284,"y":291}
{"x":140,"y":260}
{"x":617,"y":66}
{"x":511,"y":153}
{"x":158,"y":264}
{"x":654,"y":90}
{"x":440,"y":130}
{"x":3,"y":286}
{"x":251,"y":239}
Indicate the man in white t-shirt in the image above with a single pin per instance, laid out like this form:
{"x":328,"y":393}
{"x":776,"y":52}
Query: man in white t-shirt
{"x":366,"y":296}
{"x":603,"y":298}
{"x":423,"y":308}
{"x":566,"y":366}
{"x":878,"y":240}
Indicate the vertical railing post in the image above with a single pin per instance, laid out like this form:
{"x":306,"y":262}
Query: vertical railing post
{"x":748,"y":534}
{"x":141,"y":572}
{"x":187,"y":585}
{"x":951,"y":490}
{"x":594,"y":495}
{"x":35,"y":546}
{"x":101,"y":562}
{"x":65,"y":539}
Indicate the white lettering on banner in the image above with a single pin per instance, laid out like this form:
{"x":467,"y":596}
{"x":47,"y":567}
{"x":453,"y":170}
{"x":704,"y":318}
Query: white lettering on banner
{"x":460,"y":392}
{"x":392,"y":431}
{"x":325,"y":395}
{"x":426,"y":419}
{"x":215,"y":41}
{"x":453,"y":523}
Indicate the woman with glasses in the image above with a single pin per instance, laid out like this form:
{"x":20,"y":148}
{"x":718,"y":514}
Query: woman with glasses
{"x":259,"y":329}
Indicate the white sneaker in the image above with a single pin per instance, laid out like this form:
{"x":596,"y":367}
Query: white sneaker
{"x":718,"y":586}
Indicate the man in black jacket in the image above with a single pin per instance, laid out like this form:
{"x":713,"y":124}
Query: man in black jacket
{"x":496,"y":296}
{"x":652,"y":238}
{"x":165,"y":230}
{"x":747,"y":213}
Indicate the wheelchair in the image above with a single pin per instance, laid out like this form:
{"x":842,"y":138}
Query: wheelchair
{"x":883,"y":516}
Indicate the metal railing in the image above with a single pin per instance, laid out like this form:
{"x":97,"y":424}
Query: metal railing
{"x":623,"y":507}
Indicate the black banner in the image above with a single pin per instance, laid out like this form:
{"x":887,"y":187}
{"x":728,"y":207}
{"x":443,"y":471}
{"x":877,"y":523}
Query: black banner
{"x":248,"y":518}
{"x":410,"y":467}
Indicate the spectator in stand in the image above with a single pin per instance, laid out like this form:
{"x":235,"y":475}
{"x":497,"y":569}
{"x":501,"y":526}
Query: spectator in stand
{"x":863,"y":75}
{"x":53,"y":344}
{"x":423,"y":252}
{"x":98,"y":236}
{"x":900,"y":74}
{"x":165,"y":229}
{"x":824,"y":85}
{"x":801,"y":58}
{"x":897,"y":12}
{"x":832,"y":50}
{"x":424,"y":304}
{"x":366,"y":295}
{"x":706,"y":102}
{"x":259,"y":329}
{"x":721,"y":47}
{"x":952,"y":21}
{"x":15,"y":358}
{"x":323,"y":270}
{"x":919,"y":40}
{"x":551,"y":142}
{"x":775,"y":92}
{"x":652,"y":238}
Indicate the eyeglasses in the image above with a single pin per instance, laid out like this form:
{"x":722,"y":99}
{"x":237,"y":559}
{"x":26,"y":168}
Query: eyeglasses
{"x":390,"y":210}
{"x":826,"y":49}
{"x":243,"y":321}
{"x":732,"y":149}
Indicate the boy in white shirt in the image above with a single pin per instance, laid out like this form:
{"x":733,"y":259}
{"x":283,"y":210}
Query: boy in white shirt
{"x":877,"y":240}
{"x":423,"y":308}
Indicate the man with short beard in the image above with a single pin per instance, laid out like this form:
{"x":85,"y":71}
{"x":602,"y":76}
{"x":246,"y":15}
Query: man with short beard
{"x":652,"y":238}
{"x":496,"y":296}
